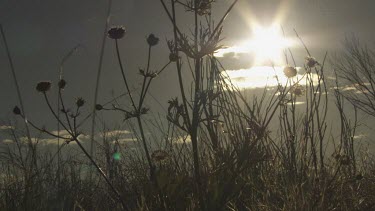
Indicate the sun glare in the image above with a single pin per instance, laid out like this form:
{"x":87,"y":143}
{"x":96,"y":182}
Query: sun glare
{"x":267,"y":44}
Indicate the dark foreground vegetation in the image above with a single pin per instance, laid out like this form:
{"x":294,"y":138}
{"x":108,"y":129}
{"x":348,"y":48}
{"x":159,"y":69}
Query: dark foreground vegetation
{"x":220,"y":149}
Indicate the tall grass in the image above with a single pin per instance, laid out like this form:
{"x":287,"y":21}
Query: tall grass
{"x":219,"y":148}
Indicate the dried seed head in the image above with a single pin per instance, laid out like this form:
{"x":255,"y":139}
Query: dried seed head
{"x":152,"y":40}
{"x":297,"y":90}
{"x":62,"y":84}
{"x":80,"y":102}
{"x":311,"y":62}
{"x":116,"y":32}
{"x":204,"y":7}
{"x":290,"y":71}
{"x":98,"y":107}
{"x":16,"y":110}
{"x":43,"y":86}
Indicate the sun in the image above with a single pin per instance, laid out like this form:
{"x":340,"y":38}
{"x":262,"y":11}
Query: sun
{"x":267,"y":44}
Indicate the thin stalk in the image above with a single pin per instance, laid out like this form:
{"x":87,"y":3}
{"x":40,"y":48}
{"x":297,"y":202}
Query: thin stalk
{"x":152,"y":168}
{"x":178,"y":65}
{"x":123,"y":74}
{"x":143,"y":92}
{"x":149,"y":82}
{"x":54,"y":113}
{"x":196,"y":107}
{"x":15,"y":79}
{"x":98,"y":77}
{"x":32,"y":148}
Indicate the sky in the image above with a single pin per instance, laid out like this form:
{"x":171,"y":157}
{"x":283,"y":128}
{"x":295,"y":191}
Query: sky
{"x":41,"y":32}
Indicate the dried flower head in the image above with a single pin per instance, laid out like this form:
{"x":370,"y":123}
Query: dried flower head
{"x":80,"y":102}
{"x":152,"y":40}
{"x":16,"y":110}
{"x":297,"y":90}
{"x":290,"y":71}
{"x":204,"y":7}
{"x":43,"y":86}
{"x":311,"y":62}
{"x":116,"y":32}
{"x":62,"y":84}
{"x":98,"y":107}
{"x":159,"y":155}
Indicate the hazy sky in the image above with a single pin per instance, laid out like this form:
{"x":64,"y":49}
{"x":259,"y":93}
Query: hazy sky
{"x":41,"y":32}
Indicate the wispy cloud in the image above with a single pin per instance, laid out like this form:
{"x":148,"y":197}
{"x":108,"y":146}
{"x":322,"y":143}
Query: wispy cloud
{"x":263,"y":76}
{"x":8,"y":141}
{"x":6,"y":127}
{"x":115,"y":133}
{"x":115,"y":136}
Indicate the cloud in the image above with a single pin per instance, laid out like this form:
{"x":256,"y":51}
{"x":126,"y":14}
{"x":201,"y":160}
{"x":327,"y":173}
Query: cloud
{"x":360,"y":136}
{"x":355,"y":88}
{"x":62,"y":133}
{"x":6,"y":127}
{"x":115,"y":133}
{"x":8,"y":141}
{"x":231,"y":51}
{"x":263,"y":76}
{"x":120,"y":136}
{"x":125,"y":141}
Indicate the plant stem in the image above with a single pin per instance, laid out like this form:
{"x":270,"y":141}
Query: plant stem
{"x":123,"y":74}
{"x":98,"y":77}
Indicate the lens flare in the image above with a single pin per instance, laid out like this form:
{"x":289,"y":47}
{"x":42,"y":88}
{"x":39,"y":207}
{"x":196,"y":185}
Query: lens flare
{"x":268,"y":44}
